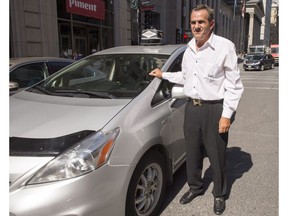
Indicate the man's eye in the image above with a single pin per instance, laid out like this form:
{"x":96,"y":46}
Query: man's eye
{"x":199,"y":22}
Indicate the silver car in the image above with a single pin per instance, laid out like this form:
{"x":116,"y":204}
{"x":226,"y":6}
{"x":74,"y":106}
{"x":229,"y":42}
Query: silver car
{"x":100,"y":137}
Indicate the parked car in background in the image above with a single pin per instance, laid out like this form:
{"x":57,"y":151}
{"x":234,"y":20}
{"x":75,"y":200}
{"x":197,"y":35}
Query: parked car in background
{"x":258,"y":62}
{"x":26,"y":71}
{"x":275,"y":52}
{"x":99,"y":137}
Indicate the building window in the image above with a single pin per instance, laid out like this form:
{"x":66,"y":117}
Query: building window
{"x":83,"y":33}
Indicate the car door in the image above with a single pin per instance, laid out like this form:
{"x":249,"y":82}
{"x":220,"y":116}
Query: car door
{"x":176,"y":147}
{"x":271,"y":61}
{"x":177,"y":116}
{"x":266,"y":61}
{"x":268,"y":64}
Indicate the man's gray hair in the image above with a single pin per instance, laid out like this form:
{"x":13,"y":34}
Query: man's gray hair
{"x":207,"y":8}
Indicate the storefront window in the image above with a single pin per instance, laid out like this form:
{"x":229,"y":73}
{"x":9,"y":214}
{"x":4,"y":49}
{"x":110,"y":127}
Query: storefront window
{"x":88,"y":33}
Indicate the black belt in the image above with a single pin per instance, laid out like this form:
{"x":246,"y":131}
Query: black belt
{"x":199,"y":102}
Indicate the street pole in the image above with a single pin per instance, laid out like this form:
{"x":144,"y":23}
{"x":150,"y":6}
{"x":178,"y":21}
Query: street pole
{"x":138,"y":25}
{"x":135,"y":4}
{"x":243,"y":38}
{"x":139,"y":21}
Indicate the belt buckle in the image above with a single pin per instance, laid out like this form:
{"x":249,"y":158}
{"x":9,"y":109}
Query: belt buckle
{"x":196,"y":102}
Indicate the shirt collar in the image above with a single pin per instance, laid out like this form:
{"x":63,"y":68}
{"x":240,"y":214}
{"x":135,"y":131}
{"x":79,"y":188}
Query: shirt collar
{"x":210,"y":42}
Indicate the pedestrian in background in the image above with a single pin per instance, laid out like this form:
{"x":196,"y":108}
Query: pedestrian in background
{"x":64,"y":53}
{"x":76,"y":55}
{"x":211,"y":80}
{"x":93,"y":51}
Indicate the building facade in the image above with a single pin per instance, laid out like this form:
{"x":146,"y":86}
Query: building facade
{"x":265,"y":27}
{"x":274,"y":23}
{"x":33,"y":28}
{"x":48,"y":28}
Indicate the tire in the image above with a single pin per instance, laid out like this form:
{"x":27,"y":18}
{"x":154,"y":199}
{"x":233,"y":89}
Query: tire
{"x":262,"y":67}
{"x":272,"y":66}
{"x":147,"y":186}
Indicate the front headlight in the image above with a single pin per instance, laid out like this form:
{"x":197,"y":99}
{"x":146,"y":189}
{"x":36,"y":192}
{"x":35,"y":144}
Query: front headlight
{"x":86,"y":156}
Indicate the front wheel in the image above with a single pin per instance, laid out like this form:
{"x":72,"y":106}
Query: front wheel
{"x":262,"y":67}
{"x":147,"y":186}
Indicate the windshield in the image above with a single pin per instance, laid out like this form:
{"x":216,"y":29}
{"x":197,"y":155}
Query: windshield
{"x":105,"y":76}
{"x":254,"y":57}
{"x":274,"y":50}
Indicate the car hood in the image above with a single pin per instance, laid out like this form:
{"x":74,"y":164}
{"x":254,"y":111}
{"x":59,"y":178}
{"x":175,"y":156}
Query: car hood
{"x":34,"y":116}
{"x":252,"y":61}
{"x":43,"y":116}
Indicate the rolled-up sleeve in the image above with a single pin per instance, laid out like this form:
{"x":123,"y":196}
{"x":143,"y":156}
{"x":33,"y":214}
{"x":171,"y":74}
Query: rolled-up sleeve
{"x":232,"y":84}
{"x":176,"y":77}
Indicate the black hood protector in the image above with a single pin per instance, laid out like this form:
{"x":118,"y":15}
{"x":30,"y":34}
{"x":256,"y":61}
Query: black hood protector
{"x":45,"y":146}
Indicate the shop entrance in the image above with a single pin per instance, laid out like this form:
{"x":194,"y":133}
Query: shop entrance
{"x":80,"y":44}
{"x":94,"y":39}
{"x":82,"y":38}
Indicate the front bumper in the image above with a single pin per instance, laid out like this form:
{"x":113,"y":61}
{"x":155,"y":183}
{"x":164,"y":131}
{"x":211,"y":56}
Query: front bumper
{"x":101,"y":192}
{"x":251,"y":67}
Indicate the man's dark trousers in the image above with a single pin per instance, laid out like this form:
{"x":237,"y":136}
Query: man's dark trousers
{"x":201,"y":127}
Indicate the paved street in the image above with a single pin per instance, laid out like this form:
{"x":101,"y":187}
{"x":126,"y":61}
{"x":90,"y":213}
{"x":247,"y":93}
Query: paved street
{"x":252,"y":157}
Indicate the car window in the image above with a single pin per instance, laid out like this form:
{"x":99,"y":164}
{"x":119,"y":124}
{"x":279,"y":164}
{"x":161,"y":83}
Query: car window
{"x":27,"y":75}
{"x":274,"y":50}
{"x":164,"y":91}
{"x":248,"y":57}
{"x":55,"y":66}
{"x":121,"y":75}
{"x":256,"y":57}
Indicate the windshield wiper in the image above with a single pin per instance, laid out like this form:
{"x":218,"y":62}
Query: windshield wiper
{"x":73,"y":92}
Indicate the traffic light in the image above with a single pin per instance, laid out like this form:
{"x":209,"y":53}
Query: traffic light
{"x":185,"y":36}
{"x":178,"y":36}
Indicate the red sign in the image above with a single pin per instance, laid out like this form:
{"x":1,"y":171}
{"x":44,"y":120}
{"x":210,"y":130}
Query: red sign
{"x":147,"y":8}
{"x":89,"y":8}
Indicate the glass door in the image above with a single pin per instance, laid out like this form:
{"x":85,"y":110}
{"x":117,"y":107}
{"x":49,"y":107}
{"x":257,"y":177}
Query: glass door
{"x":93,"y":38}
{"x":80,"y":44}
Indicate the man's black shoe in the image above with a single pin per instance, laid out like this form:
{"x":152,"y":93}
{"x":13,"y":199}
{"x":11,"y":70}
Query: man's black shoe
{"x":219,"y":205}
{"x":189,"y":196}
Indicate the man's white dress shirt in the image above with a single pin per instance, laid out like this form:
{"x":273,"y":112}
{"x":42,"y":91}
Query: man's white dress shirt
{"x":211,"y":73}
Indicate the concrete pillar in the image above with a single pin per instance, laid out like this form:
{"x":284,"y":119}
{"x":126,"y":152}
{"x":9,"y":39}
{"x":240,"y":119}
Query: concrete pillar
{"x":251,"y":28}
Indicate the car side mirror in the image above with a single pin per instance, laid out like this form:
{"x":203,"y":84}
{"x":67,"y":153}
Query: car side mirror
{"x":178,"y":96}
{"x":178,"y":91}
{"x":13,"y":86}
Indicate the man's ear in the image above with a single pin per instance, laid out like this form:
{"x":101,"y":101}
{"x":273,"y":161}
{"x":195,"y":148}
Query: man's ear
{"x":212,"y":24}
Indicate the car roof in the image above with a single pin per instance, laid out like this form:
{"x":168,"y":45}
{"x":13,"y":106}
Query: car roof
{"x":258,"y":54}
{"x":159,"y":49}
{"x":21,"y":60}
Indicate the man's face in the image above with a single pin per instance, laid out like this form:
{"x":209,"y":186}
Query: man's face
{"x":200,"y":26}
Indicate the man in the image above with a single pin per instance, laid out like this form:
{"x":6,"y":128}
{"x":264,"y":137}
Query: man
{"x":211,"y":80}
